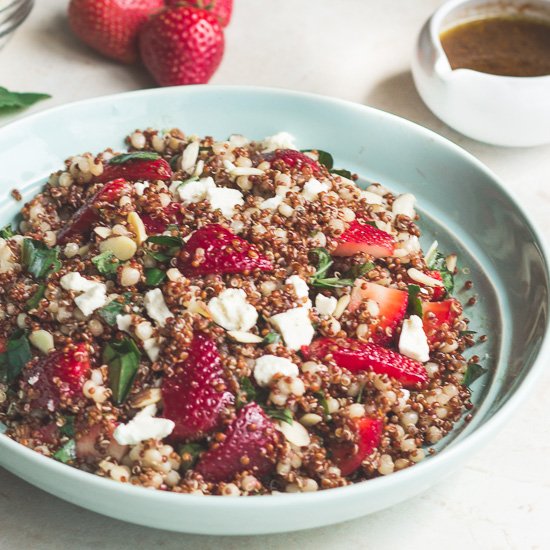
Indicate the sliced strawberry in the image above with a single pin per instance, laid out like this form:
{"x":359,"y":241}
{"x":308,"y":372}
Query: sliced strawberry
{"x":438,"y":317}
{"x":87,"y":443}
{"x":58,"y":377}
{"x":196,"y":395}
{"x":293,"y":159}
{"x":48,"y":434}
{"x":365,"y":238}
{"x":83,"y":219}
{"x":358,"y":356}
{"x":137,"y":170}
{"x":214,"y":249}
{"x":250,"y":444}
{"x":171,"y":214}
{"x":349,"y":456}
{"x":392,"y":304}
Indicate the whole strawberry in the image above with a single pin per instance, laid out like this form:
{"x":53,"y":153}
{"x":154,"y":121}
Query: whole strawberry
{"x":182,"y":45}
{"x":220,"y":8}
{"x":111,"y":26}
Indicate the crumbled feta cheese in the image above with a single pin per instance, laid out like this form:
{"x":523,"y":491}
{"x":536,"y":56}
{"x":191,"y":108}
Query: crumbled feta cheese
{"x":6,"y":257}
{"x":404,"y":204}
{"x":312,"y":188}
{"x":294,"y":326}
{"x":237,"y":140}
{"x":372,"y":198}
{"x":300,"y":288}
{"x":124,"y":322}
{"x":267,"y":367}
{"x":225,"y":199}
{"x":140,"y":187}
{"x":413,"y":342}
{"x":142,"y":427}
{"x":156,"y":307}
{"x":271,"y":204}
{"x":152,"y":348}
{"x":94,"y":293}
{"x":231,"y":311}
{"x":282,"y":140}
{"x":195,"y":191}
{"x":325,"y":305}
{"x":189,"y":156}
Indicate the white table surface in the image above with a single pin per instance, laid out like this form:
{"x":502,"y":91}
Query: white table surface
{"x":357,"y":50}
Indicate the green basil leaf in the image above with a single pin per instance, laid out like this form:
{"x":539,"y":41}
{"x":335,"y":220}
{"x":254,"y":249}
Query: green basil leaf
{"x":414,"y":306}
{"x":17,"y":355}
{"x":437,"y":263}
{"x":249,"y":390}
{"x":344,"y":173}
{"x":122,"y":358}
{"x":154,"y":276}
{"x":322,"y":398}
{"x":284,"y":415}
{"x":34,"y":300}
{"x":174,"y":163}
{"x":67,"y":453}
{"x":271,"y":338}
{"x":357,"y":271}
{"x":110,"y":312}
{"x":159,"y":256}
{"x":7,"y":232}
{"x":40,"y":260}
{"x":106,"y":263}
{"x":189,"y":454}
{"x":467,"y":332}
{"x":473,"y":372}
{"x":68,"y":428}
{"x":137,"y":155}
{"x":323,"y":157}
{"x":19,"y":100}
{"x":166,"y":240}
{"x":324,"y":261}
{"x":331,"y":282}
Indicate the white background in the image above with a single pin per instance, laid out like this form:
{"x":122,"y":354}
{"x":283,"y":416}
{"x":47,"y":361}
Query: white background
{"x":357,"y":50}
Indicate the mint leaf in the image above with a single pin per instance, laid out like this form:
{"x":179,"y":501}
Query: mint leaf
{"x":106,"y":263}
{"x":324,"y":262}
{"x":473,"y":372}
{"x":122,"y":358}
{"x":138,"y":155}
{"x":270,"y":338}
{"x":110,"y":312}
{"x":189,"y":454}
{"x":34,"y":300}
{"x":323,"y":157}
{"x":357,"y":271}
{"x":414,"y":306}
{"x":67,"y":453}
{"x":39,"y":260}
{"x":7,"y":232}
{"x":284,"y":415}
{"x":321,"y":397}
{"x":154,"y":276}
{"x":68,"y":428}
{"x":344,"y":173}
{"x":437,"y":263}
{"x":17,"y":355}
{"x":166,"y":240}
{"x":19,"y":100}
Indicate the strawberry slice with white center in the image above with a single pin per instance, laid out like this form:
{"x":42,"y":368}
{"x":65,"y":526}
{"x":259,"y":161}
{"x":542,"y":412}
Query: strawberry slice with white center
{"x":392,"y":306}
{"x":87,"y":440}
{"x":196,"y":395}
{"x":359,"y":356}
{"x":365,"y":238}
{"x":438,"y":317}
{"x":348,"y":456}
{"x":250,"y":444}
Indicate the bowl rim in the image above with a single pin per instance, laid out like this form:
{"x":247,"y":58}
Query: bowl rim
{"x":471,"y":442}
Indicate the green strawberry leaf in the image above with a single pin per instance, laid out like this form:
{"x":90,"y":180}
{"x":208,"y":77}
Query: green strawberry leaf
{"x":137,"y":155}
{"x":18,"y":100}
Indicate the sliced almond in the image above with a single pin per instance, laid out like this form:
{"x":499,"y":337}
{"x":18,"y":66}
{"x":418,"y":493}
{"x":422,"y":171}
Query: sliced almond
{"x":137,"y":227}
{"x":422,"y":278}
{"x":294,"y":433}
{"x":245,"y":337}
{"x":122,"y":247}
{"x":42,"y":340}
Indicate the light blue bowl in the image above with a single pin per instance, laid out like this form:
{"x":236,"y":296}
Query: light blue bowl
{"x":462,"y":204}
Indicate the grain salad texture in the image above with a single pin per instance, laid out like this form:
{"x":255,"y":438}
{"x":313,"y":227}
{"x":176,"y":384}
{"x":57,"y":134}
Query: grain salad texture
{"x":227,"y":317}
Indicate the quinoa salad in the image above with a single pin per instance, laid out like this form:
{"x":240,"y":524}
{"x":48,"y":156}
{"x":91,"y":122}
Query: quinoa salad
{"x":227,"y":318}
